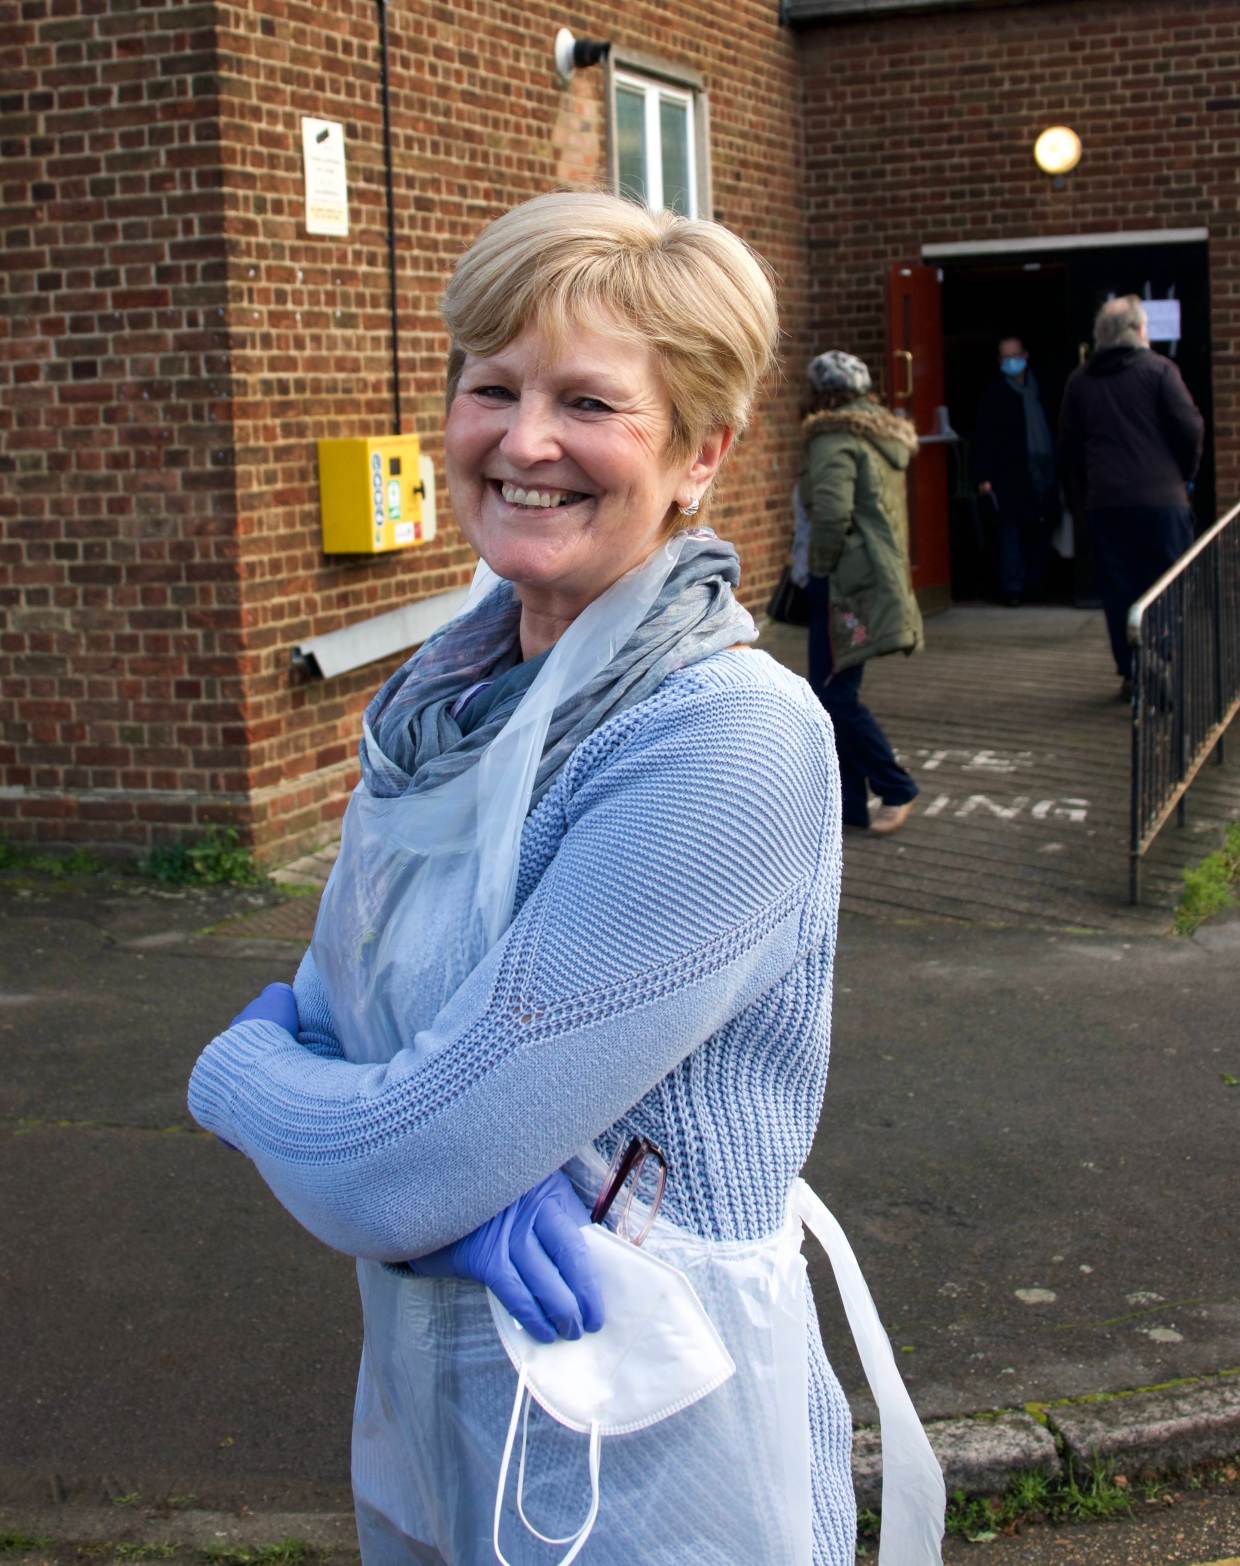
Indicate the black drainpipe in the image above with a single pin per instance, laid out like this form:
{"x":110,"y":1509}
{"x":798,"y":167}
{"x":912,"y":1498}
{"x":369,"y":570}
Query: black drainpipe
{"x":391,"y":215}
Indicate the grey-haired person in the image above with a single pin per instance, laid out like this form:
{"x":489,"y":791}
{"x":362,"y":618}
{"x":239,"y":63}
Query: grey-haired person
{"x":1131,"y":436}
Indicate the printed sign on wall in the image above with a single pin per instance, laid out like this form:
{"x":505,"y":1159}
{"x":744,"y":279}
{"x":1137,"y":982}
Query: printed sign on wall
{"x":1163,"y":320}
{"x":327,"y":191}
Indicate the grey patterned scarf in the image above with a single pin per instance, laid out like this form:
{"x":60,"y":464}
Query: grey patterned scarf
{"x":411,"y":717}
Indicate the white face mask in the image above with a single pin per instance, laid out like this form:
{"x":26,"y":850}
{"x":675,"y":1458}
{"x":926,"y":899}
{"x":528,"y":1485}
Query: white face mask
{"x":657,"y":1353}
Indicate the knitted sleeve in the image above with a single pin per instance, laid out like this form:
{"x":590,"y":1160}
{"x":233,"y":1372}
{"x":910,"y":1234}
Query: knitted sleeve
{"x":316,"y":1031}
{"x":689,"y":879}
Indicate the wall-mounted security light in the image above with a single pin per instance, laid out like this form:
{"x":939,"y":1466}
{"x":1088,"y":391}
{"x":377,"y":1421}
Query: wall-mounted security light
{"x":1057,"y":152}
{"x":574,"y":54}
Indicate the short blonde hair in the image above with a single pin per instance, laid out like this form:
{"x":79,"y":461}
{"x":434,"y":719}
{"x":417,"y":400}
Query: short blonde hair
{"x":700,"y":297}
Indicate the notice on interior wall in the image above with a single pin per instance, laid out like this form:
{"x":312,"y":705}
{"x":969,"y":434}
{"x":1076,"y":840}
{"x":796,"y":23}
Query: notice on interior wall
{"x":327,"y":190}
{"x":1162,"y":320}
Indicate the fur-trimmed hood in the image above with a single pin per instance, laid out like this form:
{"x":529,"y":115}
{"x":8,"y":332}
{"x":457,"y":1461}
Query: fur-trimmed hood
{"x":894,"y":437}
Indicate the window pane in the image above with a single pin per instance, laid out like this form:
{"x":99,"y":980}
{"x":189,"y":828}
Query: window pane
{"x":631,"y":142}
{"x":674,"y":135}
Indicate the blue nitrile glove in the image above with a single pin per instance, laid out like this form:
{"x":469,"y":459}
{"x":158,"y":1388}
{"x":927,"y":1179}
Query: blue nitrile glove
{"x":533,"y":1259}
{"x":276,"y":1004}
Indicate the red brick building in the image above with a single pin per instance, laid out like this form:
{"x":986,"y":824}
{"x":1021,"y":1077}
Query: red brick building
{"x":920,"y":123}
{"x":173,"y":342}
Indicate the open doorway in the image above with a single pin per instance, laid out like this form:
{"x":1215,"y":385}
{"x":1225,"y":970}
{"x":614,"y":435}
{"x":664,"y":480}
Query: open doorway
{"x":1047,"y":293}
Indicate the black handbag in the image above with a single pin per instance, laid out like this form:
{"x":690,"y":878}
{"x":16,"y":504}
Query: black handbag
{"x":789,"y":603}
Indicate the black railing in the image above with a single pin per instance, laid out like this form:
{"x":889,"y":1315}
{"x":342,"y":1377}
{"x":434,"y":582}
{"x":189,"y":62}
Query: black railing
{"x":1185,"y":636}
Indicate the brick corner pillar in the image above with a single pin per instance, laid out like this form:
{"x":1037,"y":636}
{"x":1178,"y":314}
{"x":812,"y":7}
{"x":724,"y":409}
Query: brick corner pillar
{"x":122,"y":714}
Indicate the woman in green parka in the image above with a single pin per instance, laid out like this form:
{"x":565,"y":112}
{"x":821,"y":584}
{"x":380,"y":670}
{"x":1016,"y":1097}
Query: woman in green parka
{"x":852,"y":490}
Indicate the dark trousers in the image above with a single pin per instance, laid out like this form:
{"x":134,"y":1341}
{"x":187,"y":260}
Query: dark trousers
{"x":1133,"y":546}
{"x":1023,"y":547}
{"x":867,"y":760}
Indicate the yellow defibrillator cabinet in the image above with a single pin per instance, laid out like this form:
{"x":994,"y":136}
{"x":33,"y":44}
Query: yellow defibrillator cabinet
{"x":376,"y":494}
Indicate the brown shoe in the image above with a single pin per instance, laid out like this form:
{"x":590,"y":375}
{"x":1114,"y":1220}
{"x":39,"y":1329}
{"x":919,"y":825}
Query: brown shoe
{"x":890,"y":818}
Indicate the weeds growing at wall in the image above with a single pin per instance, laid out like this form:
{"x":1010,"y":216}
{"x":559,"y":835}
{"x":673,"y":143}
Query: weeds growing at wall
{"x":81,"y":861}
{"x":217,"y":858}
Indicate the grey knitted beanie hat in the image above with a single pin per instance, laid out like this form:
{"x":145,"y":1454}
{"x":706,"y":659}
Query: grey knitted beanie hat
{"x":838,"y":371}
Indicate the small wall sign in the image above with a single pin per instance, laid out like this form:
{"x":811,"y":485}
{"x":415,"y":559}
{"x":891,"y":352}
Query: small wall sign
{"x":327,"y":190}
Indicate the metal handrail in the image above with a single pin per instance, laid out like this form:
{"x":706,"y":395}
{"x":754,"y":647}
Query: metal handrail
{"x":1185,"y":636}
{"x":1137,"y":613}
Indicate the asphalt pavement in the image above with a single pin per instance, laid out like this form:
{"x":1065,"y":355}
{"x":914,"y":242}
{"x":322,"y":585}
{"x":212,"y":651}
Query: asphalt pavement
{"x":1029,"y":1136}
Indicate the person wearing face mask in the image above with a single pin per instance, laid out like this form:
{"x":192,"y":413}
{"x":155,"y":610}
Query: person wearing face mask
{"x":1013,"y":460}
{"x":574,"y":961}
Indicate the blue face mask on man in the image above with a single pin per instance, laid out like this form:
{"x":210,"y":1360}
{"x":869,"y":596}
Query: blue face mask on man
{"x":1016,"y":365}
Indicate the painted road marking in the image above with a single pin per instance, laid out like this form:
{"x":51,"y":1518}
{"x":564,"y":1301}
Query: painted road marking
{"x":1069,"y":809}
{"x":976,"y":760}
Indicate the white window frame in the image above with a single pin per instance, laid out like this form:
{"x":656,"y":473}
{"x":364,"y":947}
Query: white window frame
{"x":654,"y":79}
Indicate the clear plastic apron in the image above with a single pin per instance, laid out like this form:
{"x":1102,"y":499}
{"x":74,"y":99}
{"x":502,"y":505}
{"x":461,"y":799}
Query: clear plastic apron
{"x":423,"y":886}
{"x":724,"y":1481}
{"x":424,"y":882}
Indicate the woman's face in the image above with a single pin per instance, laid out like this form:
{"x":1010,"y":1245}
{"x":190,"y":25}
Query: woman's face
{"x":558,"y":465}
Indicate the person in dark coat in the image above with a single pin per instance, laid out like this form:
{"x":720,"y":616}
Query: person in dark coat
{"x":1130,"y":430}
{"x":1014,"y":470}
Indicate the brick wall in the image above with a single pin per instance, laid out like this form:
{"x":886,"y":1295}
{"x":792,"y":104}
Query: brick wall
{"x":120,"y":687}
{"x":479,"y":122}
{"x":919,"y":130}
{"x":178,"y":344}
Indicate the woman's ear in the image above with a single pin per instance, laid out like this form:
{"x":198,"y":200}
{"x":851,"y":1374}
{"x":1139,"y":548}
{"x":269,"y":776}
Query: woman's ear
{"x":710,"y":455}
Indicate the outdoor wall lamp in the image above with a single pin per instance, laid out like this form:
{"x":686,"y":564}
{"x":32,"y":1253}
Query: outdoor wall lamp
{"x":1057,"y":152}
{"x":573,"y":54}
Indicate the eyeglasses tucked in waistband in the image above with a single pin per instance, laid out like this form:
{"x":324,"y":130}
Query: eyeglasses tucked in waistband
{"x":623,"y":1179}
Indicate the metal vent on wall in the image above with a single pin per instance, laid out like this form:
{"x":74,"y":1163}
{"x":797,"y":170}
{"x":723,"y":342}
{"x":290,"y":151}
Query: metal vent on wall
{"x":353,"y":646}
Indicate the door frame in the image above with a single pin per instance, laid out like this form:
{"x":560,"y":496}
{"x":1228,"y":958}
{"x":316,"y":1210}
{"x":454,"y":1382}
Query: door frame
{"x":961,"y":248}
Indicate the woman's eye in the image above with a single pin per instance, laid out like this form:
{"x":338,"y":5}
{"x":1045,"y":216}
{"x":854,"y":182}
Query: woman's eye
{"x":592,"y":405}
{"x":491,"y":393}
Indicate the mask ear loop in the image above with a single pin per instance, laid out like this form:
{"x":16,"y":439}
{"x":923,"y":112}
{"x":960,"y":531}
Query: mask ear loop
{"x":578,"y":1539}
{"x":525,"y":1431}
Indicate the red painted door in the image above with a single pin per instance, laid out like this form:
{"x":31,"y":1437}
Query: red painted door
{"x":915,"y":387}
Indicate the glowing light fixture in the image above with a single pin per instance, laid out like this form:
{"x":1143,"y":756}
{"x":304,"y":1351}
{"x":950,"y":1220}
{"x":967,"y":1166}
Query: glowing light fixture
{"x":1057,"y":150}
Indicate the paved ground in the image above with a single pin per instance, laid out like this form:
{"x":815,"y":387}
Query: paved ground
{"x":1030,"y":1136}
{"x":1170,"y":1526}
{"x":1175,"y":1527}
{"x":1010,"y":723}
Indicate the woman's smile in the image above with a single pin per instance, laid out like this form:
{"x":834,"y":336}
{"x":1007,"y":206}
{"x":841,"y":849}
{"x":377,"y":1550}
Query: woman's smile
{"x":538,"y":498}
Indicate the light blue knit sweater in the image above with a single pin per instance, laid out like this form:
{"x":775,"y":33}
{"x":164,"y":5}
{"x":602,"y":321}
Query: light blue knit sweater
{"x":667,"y":972}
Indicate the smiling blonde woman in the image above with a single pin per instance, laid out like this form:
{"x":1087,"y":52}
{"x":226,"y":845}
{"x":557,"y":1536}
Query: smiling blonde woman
{"x":584,"y":912}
